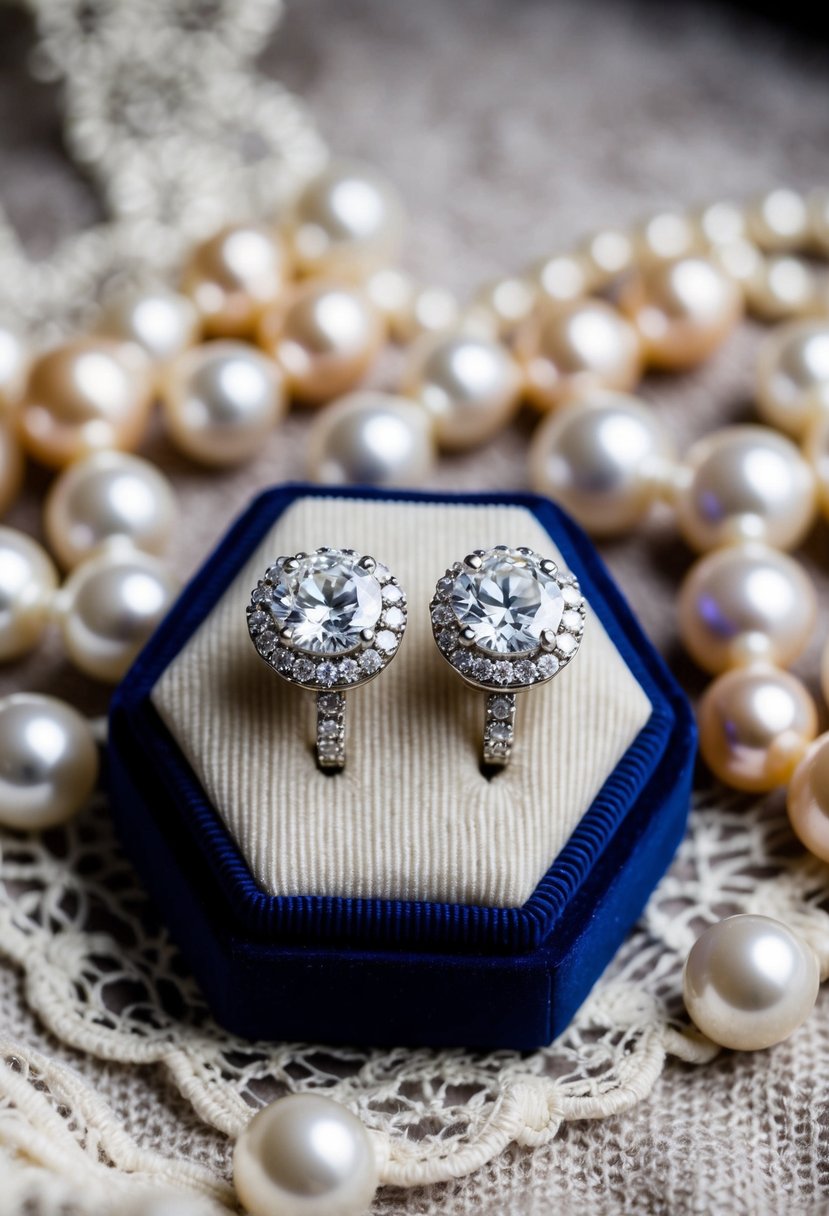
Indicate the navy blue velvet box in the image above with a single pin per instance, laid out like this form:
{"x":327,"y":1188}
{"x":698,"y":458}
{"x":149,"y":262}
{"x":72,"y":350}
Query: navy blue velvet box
{"x":398,"y":965}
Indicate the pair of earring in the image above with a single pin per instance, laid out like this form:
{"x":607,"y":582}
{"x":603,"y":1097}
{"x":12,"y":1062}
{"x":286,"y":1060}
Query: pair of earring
{"x":506,"y":619}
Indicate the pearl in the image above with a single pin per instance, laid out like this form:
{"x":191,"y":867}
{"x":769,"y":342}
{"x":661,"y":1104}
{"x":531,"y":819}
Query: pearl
{"x":721,"y":224}
{"x":162,"y":322}
{"x":808,"y":799}
{"x":501,"y":308}
{"x":779,"y":221}
{"x":684,"y":309}
{"x":305,"y":1155}
{"x":818,"y":204}
{"x":470,"y":386}
{"x":48,"y":762}
{"x":749,"y":982}
{"x":221,"y":401}
{"x":745,"y":483}
{"x":604,"y":458}
{"x":109,"y":607}
{"x":584,"y":346}
{"x":347,"y":221}
{"x":430,"y":310}
{"x":14,"y":359}
{"x":816,"y":451}
{"x":562,"y":279}
{"x":371,"y":438}
{"x":234,"y":276}
{"x":742,"y":261}
{"x":11,"y":467}
{"x":325,"y":340}
{"x":793,"y":375}
{"x":84,"y":395}
{"x":28,"y":581}
{"x":608,"y":254}
{"x":781,"y":287}
{"x":755,"y":724}
{"x":664,"y":236}
{"x":108,"y":494}
{"x":746,"y":603}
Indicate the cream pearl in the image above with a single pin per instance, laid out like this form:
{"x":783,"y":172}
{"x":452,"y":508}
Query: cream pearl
{"x":162,"y":322}
{"x":502,"y":308}
{"x":470,"y":386}
{"x":749,"y":982}
{"x":816,"y":451}
{"x":754,"y":727}
{"x":347,"y":221}
{"x":48,"y":762}
{"x":11,"y":467}
{"x":221,"y":401}
{"x":608,"y":254}
{"x":582,"y":347}
{"x":664,"y":236}
{"x":109,"y":607}
{"x":108,"y":494}
{"x":28,"y":581}
{"x":236,"y":274}
{"x":305,"y":1155}
{"x":371,"y":438}
{"x":561,"y":279}
{"x":778,"y":221}
{"x":721,"y":224}
{"x":325,"y":340}
{"x":14,"y":360}
{"x":781,"y":287}
{"x":684,"y":309}
{"x":808,"y":799}
{"x":793,"y":375}
{"x":604,"y":458}
{"x":84,"y":395}
{"x":743,"y":604}
{"x":745,"y":483}
{"x":430,"y":310}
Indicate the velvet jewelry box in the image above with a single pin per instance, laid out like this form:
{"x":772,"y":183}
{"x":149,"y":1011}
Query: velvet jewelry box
{"x":411,"y":898}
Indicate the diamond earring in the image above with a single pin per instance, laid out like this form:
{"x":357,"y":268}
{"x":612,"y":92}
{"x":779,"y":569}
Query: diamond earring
{"x":507,"y":620}
{"x":327,"y":621}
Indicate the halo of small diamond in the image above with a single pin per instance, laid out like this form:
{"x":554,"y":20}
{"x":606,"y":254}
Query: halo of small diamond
{"x":509,"y":670}
{"x":333,"y":669}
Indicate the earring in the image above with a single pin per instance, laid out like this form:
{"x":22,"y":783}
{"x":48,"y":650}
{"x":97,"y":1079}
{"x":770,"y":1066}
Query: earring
{"x":507,"y":620}
{"x":327,"y":621}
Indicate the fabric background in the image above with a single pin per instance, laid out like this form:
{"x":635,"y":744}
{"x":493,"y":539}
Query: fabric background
{"x":511,"y":129}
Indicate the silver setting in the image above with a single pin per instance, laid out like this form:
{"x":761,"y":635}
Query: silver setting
{"x":521,"y":652}
{"x":327,"y":654}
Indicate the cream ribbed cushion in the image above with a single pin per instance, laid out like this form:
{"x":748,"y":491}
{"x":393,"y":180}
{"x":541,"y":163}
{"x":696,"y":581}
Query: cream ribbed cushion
{"x":411,"y":817}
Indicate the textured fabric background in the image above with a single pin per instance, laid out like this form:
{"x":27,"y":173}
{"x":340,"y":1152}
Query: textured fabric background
{"x":511,"y":128}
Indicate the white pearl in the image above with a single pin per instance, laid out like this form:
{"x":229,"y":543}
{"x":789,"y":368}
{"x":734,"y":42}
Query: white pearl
{"x":14,"y":359}
{"x":109,"y":607}
{"x":779,"y":221}
{"x":561,"y":279}
{"x":48,"y":762}
{"x":162,"y":322}
{"x":470,"y":386}
{"x":11,"y":466}
{"x":221,"y":401}
{"x":755,"y":724}
{"x":781,"y":287}
{"x":430,"y":310}
{"x":608,"y":254}
{"x":793,"y":375}
{"x":501,"y":308}
{"x":108,"y":494}
{"x":371,"y":438}
{"x":347,"y":221}
{"x":721,"y":223}
{"x":749,"y":982}
{"x":666,"y":235}
{"x":604,"y":458}
{"x":305,"y":1155}
{"x":816,"y":451}
{"x":746,"y":603}
{"x":745,"y":483}
{"x":808,"y":799}
{"x":28,"y":581}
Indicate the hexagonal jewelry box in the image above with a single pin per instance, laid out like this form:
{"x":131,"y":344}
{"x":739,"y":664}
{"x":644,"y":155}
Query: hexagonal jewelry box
{"x":413,"y":897}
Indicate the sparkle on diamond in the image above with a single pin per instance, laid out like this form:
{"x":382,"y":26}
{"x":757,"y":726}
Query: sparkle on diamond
{"x":508,"y":603}
{"x":326,"y":602}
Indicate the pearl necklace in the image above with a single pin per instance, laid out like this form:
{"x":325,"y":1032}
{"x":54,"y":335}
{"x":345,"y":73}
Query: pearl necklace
{"x":318,"y":294}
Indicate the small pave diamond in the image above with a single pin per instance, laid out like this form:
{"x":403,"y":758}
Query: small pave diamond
{"x":502,"y":672}
{"x":447,"y":639}
{"x":331,"y":702}
{"x":370,"y":661}
{"x":386,"y":641}
{"x":525,"y":671}
{"x":547,"y":665}
{"x":258,"y":621}
{"x":266,"y":642}
{"x":327,"y":673}
{"x":392,"y":594}
{"x":394,"y":618}
{"x":507,"y":602}
{"x":349,"y":670}
{"x":443,"y":615}
{"x":482,"y":670}
{"x":573,"y":621}
{"x":304,"y":670}
{"x":566,"y":644}
{"x":261,"y":595}
{"x":283,"y":661}
{"x":500,"y":731}
{"x":463,"y":660}
{"x":500,"y":708}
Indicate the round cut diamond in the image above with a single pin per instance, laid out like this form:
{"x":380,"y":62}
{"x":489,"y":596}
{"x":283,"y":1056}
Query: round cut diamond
{"x":500,"y":708}
{"x":327,"y":673}
{"x":547,"y":665}
{"x":525,"y":671}
{"x":370,"y":661}
{"x":304,"y":670}
{"x":349,"y":670}
{"x":266,"y":642}
{"x":326,"y":602}
{"x":507,"y":603}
